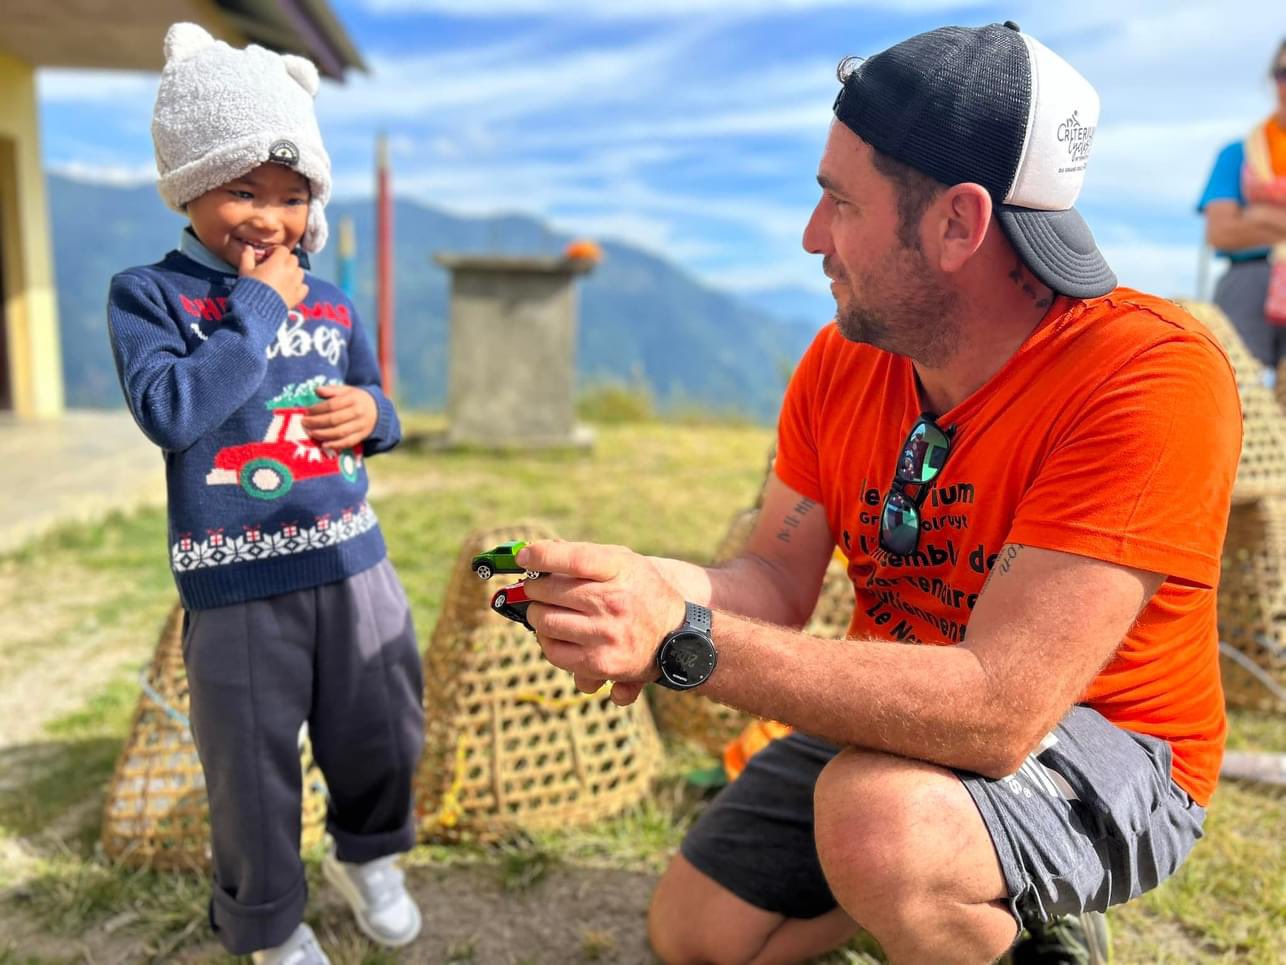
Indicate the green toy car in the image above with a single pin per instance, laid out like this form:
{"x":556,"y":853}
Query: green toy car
{"x":498,"y":560}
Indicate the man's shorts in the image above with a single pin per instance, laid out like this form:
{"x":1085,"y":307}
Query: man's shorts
{"x":1091,"y":819}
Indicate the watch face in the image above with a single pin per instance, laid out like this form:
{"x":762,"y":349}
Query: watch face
{"x":687,"y":659}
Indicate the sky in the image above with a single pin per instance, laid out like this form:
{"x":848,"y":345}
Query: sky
{"x":693,"y":128}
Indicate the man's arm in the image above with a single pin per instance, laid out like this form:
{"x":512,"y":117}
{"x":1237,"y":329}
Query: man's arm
{"x":1230,"y":227}
{"x":775,"y":579}
{"x":1045,"y":623}
{"x":777,"y":576}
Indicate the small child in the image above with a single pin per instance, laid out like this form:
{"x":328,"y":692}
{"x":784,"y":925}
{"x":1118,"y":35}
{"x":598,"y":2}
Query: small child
{"x":259,"y":385}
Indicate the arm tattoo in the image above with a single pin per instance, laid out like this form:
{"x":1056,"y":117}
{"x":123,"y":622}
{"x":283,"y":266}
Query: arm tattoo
{"x":1011,"y":553}
{"x":1004,"y":562}
{"x":794,"y":518}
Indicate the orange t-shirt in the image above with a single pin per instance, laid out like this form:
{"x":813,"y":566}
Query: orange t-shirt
{"x":1113,"y":432}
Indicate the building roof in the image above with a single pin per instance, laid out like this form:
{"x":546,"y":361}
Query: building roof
{"x":127,"y":34}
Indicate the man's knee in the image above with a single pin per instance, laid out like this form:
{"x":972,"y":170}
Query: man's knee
{"x":694,"y":919}
{"x":669,"y":932}
{"x":892,"y":832}
{"x":865,"y":811}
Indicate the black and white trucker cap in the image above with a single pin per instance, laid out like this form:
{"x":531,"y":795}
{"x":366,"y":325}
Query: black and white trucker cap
{"x":993,"y":106}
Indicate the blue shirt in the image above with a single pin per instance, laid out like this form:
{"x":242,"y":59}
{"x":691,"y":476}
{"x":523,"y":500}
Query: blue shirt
{"x":1225,"y":185}
{"x":219,"y":374}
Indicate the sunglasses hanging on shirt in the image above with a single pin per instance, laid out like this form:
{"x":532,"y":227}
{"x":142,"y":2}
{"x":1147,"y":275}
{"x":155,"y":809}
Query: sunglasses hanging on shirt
{"x":919,"y":463}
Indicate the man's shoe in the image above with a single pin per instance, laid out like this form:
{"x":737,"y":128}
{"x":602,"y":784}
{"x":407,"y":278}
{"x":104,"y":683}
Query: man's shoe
{"x":300,"y":948}
{"x":1067,"y":940}
{"x":377,"y":894}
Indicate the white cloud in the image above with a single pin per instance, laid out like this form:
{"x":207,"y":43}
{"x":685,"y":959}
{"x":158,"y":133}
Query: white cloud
{"x":615,"y":131}
{"x":1166,"y":269}
{"x":1162,"y":164}
{"x":661,"y":236}
{"x":1163,"y":268}
{"x":56,"y":85}
{"x":802,"y":271}
{"x":116,"y":175}
{"x":1172,"y":60}
{"x":600,"y":185}
{"x":506,"y":81}
{"x":584,"y":99}
{"x":1178,"y":80}
{"x":1158,"y":267}
{"x":637,"y":10}
{"x":808,"y":117}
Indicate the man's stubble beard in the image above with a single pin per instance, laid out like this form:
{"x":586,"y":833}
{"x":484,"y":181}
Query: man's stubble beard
{"x":906,"y":311}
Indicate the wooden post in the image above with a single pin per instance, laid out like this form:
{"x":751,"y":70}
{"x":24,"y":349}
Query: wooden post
{"x":384,"y":258}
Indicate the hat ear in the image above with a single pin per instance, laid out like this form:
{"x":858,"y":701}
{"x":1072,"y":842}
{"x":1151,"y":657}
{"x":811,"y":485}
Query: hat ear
{"x":304,"y":72}
{"x":184,"y":40}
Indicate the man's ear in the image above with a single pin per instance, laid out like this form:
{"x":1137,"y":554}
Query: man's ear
{"x":964,"y":215}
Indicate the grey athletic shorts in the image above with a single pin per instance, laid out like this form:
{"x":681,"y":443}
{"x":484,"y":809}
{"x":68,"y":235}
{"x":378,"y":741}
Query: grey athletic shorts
{"x":1091,"y":819}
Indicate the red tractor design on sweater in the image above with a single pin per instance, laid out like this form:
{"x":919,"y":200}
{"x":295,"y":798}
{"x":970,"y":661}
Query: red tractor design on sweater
{"x":269,"y":469}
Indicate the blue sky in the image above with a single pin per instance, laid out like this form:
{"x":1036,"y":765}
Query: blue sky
{"x":693,"y":127}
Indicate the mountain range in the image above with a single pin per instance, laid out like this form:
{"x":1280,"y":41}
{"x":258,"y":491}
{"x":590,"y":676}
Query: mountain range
{"x":641,"y":317}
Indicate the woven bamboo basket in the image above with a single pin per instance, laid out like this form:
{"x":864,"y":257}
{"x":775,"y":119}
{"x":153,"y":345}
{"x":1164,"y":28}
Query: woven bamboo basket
{"x":1252,"y":605}
{"x":1252,"y":593}
{"x":510,"y":744}
{"x":1262,"y":470}
{"x":156,"y":814}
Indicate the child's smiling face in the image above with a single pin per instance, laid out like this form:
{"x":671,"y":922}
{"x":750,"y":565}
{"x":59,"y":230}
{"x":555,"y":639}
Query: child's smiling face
{"x":260,"y":210}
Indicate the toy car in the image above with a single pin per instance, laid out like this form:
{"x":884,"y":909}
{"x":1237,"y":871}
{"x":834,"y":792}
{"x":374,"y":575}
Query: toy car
{"x":500,"y":560}
{"x":512,"y":602}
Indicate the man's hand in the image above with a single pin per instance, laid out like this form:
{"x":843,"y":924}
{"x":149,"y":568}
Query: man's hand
{"x":344,"y":419}
{"x":600,"y":613}
{"x":280,"y":271}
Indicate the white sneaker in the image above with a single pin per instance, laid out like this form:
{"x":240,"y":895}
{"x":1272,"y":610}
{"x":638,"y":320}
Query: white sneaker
{"x":378,"y":896}
{"x":300,"y":948}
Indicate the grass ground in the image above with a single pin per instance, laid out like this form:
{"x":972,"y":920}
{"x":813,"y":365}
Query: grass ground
{"x":82,"y":606}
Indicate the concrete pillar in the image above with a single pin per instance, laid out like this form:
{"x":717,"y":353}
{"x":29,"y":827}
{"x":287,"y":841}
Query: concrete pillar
{"x":30,"y":308}
{"x":511,"y":376}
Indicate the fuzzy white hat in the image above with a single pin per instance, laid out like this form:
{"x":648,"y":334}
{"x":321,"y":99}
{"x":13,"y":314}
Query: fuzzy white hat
{"x":221,"y":112}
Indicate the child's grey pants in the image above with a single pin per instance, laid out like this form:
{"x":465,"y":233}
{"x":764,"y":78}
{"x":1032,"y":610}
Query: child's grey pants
{"x":343,"y":658}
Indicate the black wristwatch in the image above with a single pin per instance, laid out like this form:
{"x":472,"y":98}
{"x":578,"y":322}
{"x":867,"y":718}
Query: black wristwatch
{"x":687,"y":656}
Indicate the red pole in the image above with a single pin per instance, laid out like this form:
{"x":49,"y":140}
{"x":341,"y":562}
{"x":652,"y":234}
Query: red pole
{"x":384,"y":265}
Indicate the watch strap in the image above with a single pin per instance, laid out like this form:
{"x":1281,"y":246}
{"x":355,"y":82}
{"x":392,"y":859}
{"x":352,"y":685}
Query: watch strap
{"x":697,"y":617}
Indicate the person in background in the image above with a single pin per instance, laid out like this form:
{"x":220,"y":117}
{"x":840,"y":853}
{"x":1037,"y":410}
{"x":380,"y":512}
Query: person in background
{"x":1245,"y":208}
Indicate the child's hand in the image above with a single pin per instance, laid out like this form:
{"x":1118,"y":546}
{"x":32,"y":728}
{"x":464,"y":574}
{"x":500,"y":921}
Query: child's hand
{"x":344,"y":419}
{"x":280,"y":271}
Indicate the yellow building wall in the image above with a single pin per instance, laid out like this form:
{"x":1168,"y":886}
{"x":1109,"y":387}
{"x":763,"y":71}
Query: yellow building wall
{"x":31,"y":309}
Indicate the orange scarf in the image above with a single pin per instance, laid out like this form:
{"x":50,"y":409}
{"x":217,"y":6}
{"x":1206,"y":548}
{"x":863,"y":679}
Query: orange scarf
{"x":1263,"y":181}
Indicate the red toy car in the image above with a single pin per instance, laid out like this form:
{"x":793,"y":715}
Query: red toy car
{"x":512,"y":602}
{"x":268,"y":469}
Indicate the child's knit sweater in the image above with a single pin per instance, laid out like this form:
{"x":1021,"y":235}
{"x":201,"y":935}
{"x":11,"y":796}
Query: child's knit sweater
{"x":218,"y":374}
